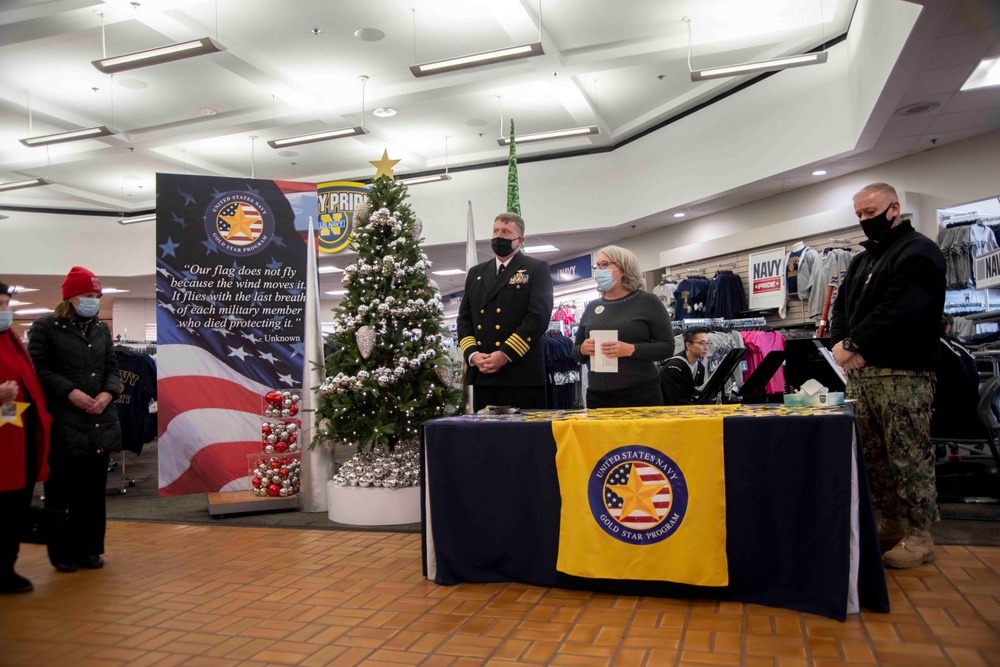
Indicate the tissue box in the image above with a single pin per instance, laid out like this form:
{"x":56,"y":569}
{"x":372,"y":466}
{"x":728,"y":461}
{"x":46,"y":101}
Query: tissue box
{"x":829,"y":398}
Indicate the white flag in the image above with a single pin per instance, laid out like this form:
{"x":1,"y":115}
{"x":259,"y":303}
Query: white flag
{"x":470,"y":243}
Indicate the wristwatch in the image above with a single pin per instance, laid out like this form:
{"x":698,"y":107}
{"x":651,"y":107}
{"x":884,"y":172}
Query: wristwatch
{"x":848,"y":345}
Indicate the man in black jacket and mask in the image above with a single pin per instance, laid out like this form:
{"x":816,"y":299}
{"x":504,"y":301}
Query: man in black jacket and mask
{"x":505,"y":309}
{"x":885,"y":332}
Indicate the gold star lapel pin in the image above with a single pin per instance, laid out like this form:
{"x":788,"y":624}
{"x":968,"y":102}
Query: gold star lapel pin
{"x":384,"y":166}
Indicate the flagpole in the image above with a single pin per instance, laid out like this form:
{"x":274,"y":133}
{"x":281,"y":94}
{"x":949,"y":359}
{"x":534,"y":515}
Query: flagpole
{"x":317,"y":463}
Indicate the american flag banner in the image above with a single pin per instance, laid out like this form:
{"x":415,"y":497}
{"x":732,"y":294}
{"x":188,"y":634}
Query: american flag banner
{"x":642,"y":498}
{"x":230,"y":296}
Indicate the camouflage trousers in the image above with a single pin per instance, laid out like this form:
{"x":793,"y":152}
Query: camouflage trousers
{"x":893,"y":411}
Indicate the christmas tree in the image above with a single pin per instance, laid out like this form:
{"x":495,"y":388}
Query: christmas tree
{"x":387,"y":370}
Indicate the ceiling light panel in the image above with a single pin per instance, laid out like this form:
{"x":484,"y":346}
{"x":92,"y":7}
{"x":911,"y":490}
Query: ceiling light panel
{"x":158,"y":55}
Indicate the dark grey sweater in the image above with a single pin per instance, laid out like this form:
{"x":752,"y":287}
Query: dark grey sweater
{"x":639,"y":319}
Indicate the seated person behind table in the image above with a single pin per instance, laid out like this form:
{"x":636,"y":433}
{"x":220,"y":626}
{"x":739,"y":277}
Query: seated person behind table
{"x":956,"y":393}
{"x":682,"y":373}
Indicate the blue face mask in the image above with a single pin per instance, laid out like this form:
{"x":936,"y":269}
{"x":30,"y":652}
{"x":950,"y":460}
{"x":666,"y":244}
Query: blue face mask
{"x":604,"y":280}
{"x":88,"y":307}
{"x":6,"y":319}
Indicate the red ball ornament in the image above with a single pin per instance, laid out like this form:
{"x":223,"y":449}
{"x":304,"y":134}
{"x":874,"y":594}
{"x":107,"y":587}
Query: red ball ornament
{"x":283,"y":472}
{"x":275,"y":465}
{"x":285,"y":461}
{"x":292,"y":437}
{"x":281,"y":446}
{"x":256,"y":482}
{"x":294,"y":410}
{"x":266,"y":429}
{"x":273,"y":489}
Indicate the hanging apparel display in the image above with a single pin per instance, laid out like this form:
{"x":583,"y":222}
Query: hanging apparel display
{"x":961,"y":244}
{"x":689,"y":297}
{"x":832,"y":267}
{"x":562,"y":372}
{"x":758,"y":344}
{"x":800,"y":264}
{"x":138,"y":375}
{"x":665,"y":291}
{"x":726,"y":296}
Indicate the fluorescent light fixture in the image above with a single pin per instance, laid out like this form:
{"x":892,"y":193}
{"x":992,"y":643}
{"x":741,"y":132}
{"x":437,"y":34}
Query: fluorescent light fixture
{"x":555,"y":134}
{"x":819,"y":172}
{"x":14,"y":303}
{"x":576,"y":290}
{"x":449,"y":272}
{"x":157,"y":56}
{"x":318,"y":136}
{"x":760,"y":66}
{"x":540,"y":248}
{"x":32,"y":311}
{"x":72,"y":135}
{"x":679,"y":214}
{"x":417,"y":180}
{"x":478,"y":59}
{"x":339,"y":292}
{"x":149,"y":217}
{"x":986,"y":74}
{"x":26,"y":183}
{"x":329,"y":269}
{"x":22,"y":288}
{"x":113,"y":290}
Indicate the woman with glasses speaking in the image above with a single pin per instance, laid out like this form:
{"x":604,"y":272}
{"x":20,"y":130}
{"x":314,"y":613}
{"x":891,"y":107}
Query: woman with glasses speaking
{"x":623,"y":335}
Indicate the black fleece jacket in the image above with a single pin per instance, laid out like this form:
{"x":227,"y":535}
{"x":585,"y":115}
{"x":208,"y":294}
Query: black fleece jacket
{"x":891,"y":301}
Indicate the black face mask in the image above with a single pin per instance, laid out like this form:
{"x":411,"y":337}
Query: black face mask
{"x":875,"y":227}
{"x":501,"y":247}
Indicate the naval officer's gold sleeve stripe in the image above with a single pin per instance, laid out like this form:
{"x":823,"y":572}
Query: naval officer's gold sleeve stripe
{"x":467,"y":342}
{"x":519,"y":345}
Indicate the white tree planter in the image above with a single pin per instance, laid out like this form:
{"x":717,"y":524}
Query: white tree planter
{"x":373,"y":506}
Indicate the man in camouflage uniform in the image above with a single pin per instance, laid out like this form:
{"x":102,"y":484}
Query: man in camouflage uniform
{"x":885,"y":329}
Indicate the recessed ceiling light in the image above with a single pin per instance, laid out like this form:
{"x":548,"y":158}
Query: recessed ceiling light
{"x":206,"y":111}
{"x":679,"y":215}
{"x":384,"y":112}
{"x":134,"y":84}
{"x":448,"y":272}
{"x":369,"y":34}
{"x":986,"y":74}
{"x":540,"y":248}
{"x":819,"y":172}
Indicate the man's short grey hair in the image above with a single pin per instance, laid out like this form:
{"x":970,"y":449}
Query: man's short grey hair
{"x":883,"y":190}
{"x":625,"y":260}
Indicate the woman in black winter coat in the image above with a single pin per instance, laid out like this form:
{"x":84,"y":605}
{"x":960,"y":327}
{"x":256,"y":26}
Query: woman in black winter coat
{"x":73,"y":353}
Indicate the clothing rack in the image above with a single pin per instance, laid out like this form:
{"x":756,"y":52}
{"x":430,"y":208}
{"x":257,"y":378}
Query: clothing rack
{"x":839,"y":243}
{"x":964,"y":308}
{"x":718,"y":323}
{"x":144,"y":346}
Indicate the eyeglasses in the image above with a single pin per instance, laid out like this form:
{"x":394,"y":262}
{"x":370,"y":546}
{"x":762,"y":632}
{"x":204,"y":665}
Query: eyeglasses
{"x":703,"y":343}
{"x":603,"y":265}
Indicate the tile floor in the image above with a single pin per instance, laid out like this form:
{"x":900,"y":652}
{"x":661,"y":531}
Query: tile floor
{"x":216,"y":595}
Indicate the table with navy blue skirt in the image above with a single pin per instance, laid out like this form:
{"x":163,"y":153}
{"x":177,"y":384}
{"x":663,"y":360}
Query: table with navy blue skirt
{"x":800,"y":529}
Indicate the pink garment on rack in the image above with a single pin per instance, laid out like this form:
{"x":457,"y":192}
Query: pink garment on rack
{"x":758,"y":344}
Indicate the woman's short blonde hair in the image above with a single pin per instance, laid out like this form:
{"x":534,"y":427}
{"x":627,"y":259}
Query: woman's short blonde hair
{"x":626,"y":261}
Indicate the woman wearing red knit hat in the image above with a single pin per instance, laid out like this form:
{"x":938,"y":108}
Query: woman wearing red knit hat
{"x":24,"y":443}
{"x":73,"y":353}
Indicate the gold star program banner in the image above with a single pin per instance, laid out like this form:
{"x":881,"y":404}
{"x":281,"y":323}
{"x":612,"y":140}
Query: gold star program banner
{"x":643,"y":499}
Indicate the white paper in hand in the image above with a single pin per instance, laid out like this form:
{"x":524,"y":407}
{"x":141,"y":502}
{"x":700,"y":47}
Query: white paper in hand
{"x":600,"y":363}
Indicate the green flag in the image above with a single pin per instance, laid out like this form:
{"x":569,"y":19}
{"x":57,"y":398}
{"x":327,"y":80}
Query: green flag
{"x":513,"y":193}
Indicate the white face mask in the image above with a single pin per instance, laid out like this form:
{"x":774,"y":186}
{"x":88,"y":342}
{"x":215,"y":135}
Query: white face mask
{"x":6,"y":319}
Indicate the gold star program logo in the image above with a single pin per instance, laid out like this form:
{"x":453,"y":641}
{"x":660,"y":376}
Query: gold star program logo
{"x":638,"y":495}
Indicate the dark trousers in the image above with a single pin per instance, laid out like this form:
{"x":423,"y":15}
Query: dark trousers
{"x":14,"y":509}
{"x":529,"y":398}
{"x":636,"y":396}
{"x":77,"y":484}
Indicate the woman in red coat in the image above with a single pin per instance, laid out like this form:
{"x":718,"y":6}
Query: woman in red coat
{"x":24,"y":443}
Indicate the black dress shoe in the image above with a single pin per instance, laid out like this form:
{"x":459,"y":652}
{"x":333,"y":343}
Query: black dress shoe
{"x":66,"y":567}
{"x":91,"y":562}
{"x":15,"y":583}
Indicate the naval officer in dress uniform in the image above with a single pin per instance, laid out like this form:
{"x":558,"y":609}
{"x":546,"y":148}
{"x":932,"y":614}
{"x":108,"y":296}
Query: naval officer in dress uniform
{"x":504,"y":312}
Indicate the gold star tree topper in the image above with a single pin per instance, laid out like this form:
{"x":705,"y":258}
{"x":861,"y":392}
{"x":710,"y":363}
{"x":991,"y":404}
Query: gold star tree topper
{"x":384,"y":166}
